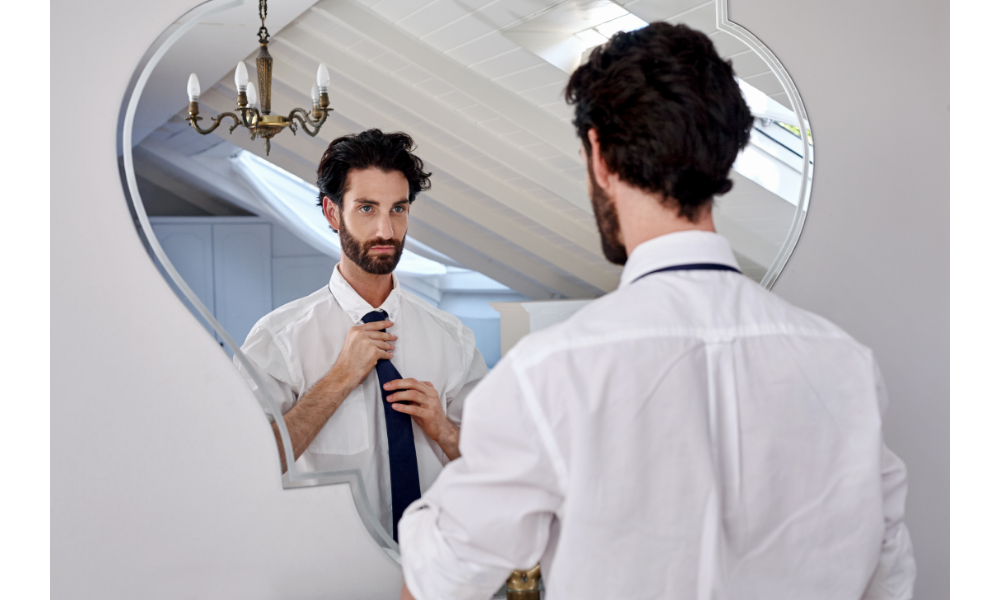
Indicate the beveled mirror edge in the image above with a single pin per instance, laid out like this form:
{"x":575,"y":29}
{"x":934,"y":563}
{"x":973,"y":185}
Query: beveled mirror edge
{"x":290,"y":479}
{"x":723,"y":23}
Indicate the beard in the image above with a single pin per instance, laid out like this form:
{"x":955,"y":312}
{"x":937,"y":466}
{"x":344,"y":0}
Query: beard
{"x":607,"y":222}
{"x":358,"y":252}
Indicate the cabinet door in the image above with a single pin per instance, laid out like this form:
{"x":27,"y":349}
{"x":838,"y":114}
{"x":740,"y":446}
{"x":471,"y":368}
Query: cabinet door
{"x":242,"y":276}
{"x":189,"y":248}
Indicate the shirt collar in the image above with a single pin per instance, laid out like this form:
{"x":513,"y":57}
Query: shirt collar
{"x":354,"y":305}
{"x":680,"y":248}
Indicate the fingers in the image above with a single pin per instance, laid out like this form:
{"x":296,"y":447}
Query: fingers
{"x":414,"y":410}
{"x":375,"y":325}
{"x":411,"y":384}
{"x":409,"y":396}
{"x":378,"y":335}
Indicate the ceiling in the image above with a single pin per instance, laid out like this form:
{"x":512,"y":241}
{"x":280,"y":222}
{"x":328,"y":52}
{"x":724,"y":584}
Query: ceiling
{"x":508,"y":197}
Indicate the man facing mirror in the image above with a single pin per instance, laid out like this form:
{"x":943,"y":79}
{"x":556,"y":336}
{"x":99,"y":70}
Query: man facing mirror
{"x":368,"y":376}
{"x":689,"y":435}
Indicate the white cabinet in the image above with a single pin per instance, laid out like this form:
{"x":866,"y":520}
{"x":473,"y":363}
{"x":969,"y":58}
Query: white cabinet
{"x":189,"y":248}
{"x":242,"y":267}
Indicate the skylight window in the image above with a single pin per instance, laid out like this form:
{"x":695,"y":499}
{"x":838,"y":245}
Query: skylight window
{"x":565,"y":35}
{"x":627,"y":22}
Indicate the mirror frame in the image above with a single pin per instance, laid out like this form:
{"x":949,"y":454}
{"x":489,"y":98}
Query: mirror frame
{"x":723,"y":23}
{"x":292,"y":478}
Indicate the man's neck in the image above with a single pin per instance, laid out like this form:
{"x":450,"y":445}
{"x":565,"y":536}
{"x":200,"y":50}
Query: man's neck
{"x":374,"y":289}
{"x":643,"y":216}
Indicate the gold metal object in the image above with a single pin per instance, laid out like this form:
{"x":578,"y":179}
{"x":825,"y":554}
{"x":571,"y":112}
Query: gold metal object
{"x":262,"y":124}
{"x":264,"y":64}
{"x":524,"y":585}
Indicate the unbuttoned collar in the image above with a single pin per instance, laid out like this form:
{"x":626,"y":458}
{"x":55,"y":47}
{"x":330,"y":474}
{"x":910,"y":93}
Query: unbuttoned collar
{"x":354,"y":305}
{"x":680,"y":248}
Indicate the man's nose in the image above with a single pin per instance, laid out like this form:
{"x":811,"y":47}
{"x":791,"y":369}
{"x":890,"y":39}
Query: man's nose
{"x":384,"y":230}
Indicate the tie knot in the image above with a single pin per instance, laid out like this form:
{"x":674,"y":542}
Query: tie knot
{"x":375,"y":315}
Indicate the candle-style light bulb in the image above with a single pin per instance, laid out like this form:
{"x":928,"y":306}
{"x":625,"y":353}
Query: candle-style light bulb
{"x":314,"y":93}
{"x":241,"y":77}
{"x":322,"y":78}
{"x":194,"y":88}
{"x":251,"y":95}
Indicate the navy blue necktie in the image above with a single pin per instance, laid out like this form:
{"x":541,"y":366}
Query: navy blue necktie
{"x":692,"y":267}
{"x":403,"y":475}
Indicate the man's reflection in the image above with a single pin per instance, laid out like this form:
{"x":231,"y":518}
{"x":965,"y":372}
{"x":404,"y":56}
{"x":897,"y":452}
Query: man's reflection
{"x":367,"y":375}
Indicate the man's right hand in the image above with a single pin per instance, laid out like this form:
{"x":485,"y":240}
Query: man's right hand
{"x":364,"y":346}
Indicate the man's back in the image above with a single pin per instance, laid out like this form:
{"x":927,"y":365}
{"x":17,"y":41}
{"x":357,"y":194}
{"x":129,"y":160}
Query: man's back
{"x":693,"y":436}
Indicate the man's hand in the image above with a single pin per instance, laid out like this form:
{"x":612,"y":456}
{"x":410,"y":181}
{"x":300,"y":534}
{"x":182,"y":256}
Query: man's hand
{"x":364,"y":346}
{"x":425,"y":408}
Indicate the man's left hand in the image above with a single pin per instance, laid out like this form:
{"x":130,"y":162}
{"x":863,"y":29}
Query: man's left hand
{"x":426,"y":410}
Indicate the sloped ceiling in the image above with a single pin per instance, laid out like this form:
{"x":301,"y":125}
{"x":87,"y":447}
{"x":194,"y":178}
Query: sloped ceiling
{"x":508,"y":196}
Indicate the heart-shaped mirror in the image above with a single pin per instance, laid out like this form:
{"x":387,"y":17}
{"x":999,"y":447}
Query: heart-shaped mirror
{"x":232,"y":222}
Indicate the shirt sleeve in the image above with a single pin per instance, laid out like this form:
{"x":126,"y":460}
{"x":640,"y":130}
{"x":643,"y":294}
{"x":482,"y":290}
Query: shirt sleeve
{"x":897,"y":570}
{"x":490,"y":511}
{"x":474,"y":369}
{"x":266,"y":357}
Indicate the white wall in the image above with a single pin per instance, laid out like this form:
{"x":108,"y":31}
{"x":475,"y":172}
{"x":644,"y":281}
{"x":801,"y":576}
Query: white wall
{"x":163,"y":482}
{"x":874,"y":253}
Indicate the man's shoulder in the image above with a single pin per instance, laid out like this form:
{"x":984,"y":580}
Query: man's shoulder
{"x":744,"y":310}
{"x":448,"y":323}
{"x":281,"y":319}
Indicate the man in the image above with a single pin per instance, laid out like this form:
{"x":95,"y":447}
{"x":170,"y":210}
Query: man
{"x":689,"y":435}
{"x":367,"y":375}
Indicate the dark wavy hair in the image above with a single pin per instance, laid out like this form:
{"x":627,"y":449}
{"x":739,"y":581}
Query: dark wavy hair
{"x":372,"y":148}
{"x":667,"y":110}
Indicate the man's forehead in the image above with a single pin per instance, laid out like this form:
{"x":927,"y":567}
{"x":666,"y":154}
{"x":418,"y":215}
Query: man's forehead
{"x":374,"y":177}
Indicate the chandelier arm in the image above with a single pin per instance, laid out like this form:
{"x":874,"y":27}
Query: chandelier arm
{"x":250,"y":116}
{"x":216,"y":121}
{"x":303,"y":117}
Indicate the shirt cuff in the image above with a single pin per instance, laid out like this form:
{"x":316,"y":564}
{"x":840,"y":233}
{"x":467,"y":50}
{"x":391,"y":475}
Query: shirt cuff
{"x":430,"y":567}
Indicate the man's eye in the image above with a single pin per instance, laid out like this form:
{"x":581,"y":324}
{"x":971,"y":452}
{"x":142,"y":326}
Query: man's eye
{"x":365,"y":208}
{"x":399,"y":209}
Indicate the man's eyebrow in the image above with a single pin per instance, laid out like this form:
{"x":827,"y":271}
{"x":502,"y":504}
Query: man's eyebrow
{"x":376,"y":202}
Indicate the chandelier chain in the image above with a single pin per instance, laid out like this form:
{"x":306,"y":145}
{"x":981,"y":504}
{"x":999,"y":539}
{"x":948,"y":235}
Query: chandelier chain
{"x":262,"y":33}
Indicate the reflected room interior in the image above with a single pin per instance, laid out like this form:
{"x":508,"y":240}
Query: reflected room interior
{"x":507,"y":227}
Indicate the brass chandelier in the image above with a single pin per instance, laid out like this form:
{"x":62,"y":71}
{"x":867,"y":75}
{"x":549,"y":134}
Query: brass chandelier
{"x":261,"y":123}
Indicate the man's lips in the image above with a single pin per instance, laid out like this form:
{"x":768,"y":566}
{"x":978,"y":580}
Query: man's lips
{"x":383,"y":249}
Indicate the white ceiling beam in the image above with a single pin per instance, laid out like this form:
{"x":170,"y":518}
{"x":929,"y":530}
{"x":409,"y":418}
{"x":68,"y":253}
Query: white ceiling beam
{"x":162,"y":174}
{"x":175,"y":166}
{"x":484,"y":91}
{"x":497,"y":251}
{"x":443,"y":117}
{"x":474,"y":259}
{"x":526,"y":240}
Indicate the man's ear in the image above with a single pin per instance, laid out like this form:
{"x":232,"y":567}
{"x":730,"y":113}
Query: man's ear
{"x":597,"y":163}
{"x":332,"y":213}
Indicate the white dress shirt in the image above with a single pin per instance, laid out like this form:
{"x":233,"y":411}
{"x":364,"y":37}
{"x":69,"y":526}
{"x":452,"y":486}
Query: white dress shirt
{"x":294,"y":346}
{"x":688,"y":436}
